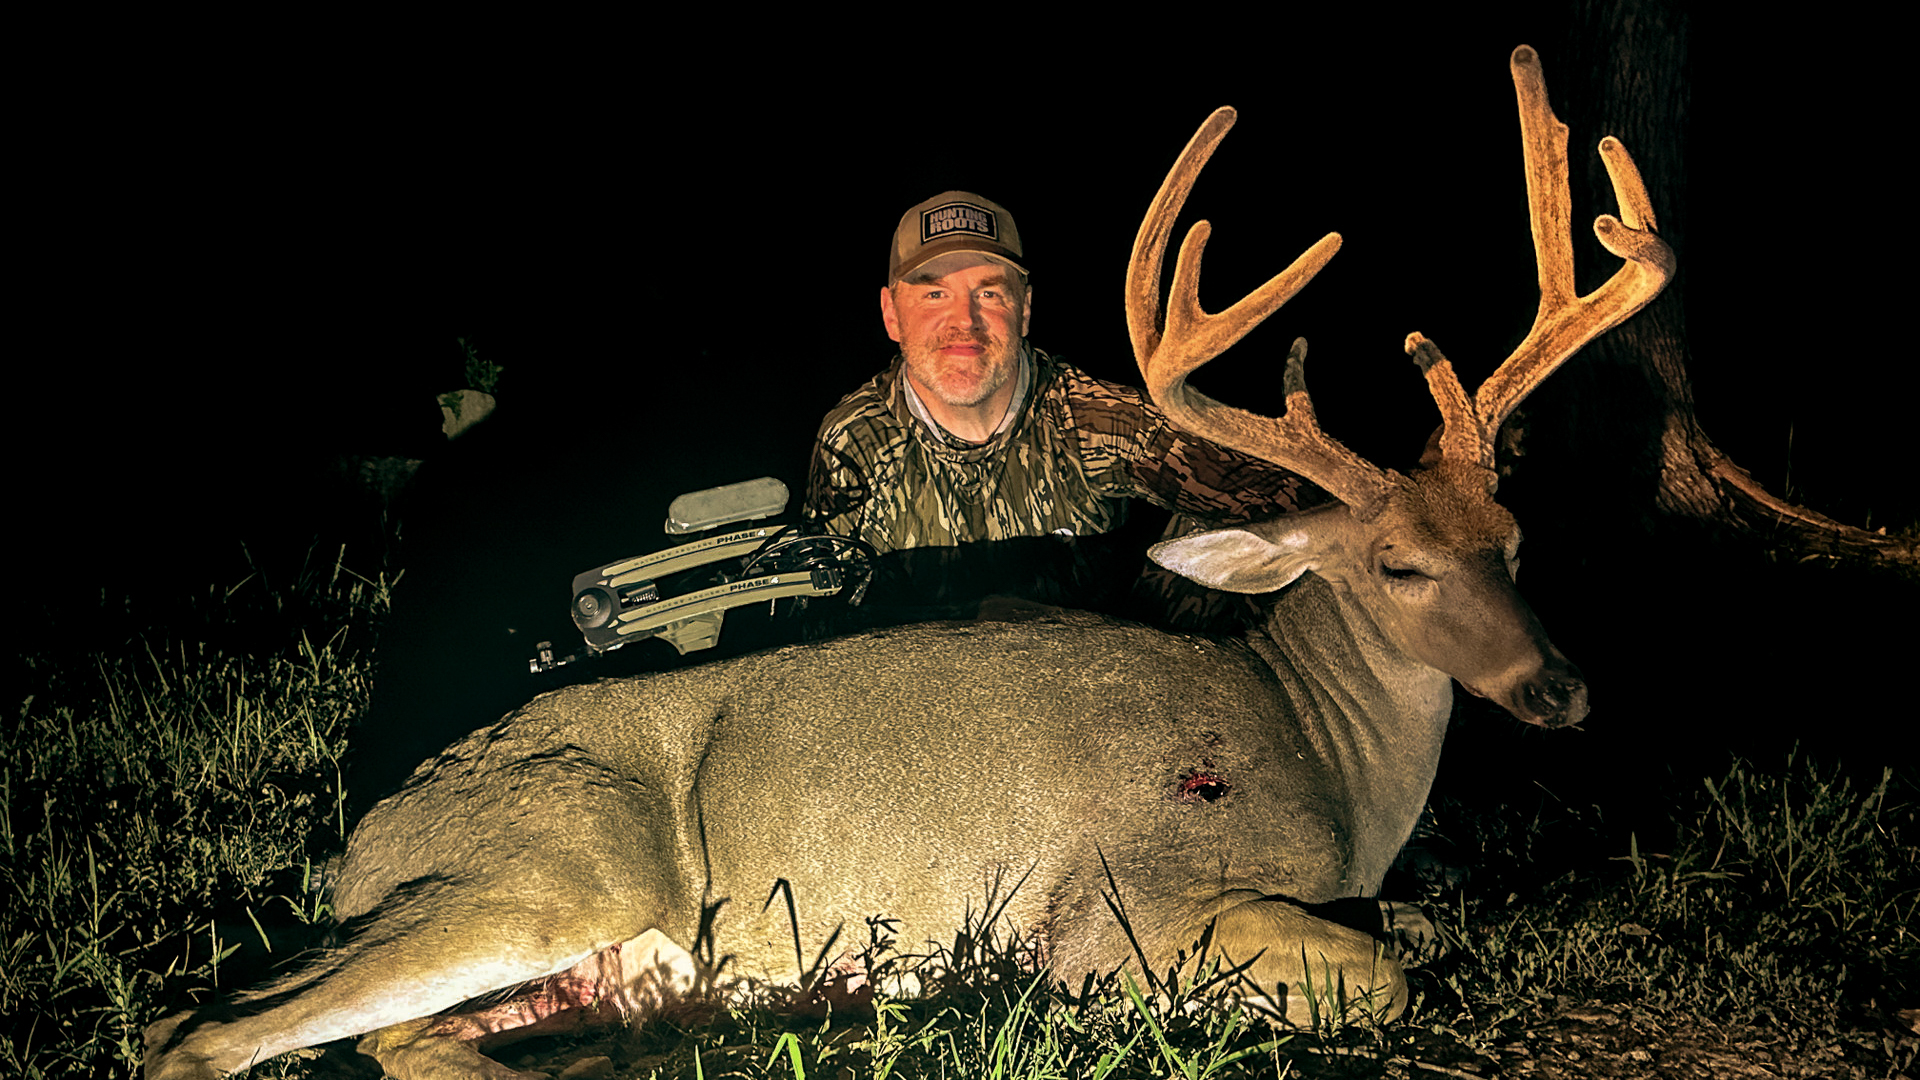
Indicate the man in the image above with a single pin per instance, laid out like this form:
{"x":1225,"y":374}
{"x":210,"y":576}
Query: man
{"x":973,"y":435}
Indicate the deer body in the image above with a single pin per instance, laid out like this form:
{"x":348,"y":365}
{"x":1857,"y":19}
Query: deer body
{"x":1011,"y":768}
{"x":1044,"y":773}
{"x":1014,"y":766}
{"x":1179,"y":759}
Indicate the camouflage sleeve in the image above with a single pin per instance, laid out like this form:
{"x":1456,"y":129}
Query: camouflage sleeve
{"x":837,"y":483}
{"x":1132,"y":449}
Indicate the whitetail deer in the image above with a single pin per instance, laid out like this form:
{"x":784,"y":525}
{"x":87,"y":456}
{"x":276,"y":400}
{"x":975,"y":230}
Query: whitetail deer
{"x":922,"y":773}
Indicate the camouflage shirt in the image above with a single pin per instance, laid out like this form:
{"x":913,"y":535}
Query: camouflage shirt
{"x":1074,"y":451}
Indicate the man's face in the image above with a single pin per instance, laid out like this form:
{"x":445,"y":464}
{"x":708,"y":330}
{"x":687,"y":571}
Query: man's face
{"x":960,"y":332}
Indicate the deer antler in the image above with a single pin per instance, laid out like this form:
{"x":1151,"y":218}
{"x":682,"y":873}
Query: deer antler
{"x":1192,"y":337}
{"x":1565,"y":321}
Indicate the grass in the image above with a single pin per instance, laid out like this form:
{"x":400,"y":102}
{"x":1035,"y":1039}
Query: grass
{"x":166,"y":801}
{"x":999,"y":1020}
{"x":1789,"y":901}
{"x":163,"y":806}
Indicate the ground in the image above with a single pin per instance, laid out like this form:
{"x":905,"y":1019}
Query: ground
{"x":1584,"y":1042}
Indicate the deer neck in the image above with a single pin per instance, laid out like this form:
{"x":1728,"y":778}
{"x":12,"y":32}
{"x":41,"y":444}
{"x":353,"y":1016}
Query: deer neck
{"x":1376,"y":716}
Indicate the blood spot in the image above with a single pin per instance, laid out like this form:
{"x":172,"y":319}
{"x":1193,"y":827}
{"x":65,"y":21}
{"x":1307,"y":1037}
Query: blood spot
{"x":1203,"y":787}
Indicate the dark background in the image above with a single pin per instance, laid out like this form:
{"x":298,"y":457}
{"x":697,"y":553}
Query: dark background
{"x":673,"y":244}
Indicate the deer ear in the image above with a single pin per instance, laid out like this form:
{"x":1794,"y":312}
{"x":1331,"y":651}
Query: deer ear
{"x":1259,"y":558}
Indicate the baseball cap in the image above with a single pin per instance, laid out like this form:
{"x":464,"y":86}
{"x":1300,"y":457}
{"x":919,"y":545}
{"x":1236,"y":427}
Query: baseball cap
{"x":949,"y":222}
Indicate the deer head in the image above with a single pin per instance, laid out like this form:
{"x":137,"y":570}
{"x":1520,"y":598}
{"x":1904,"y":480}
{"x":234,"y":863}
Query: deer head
{"x":1427,"y":555}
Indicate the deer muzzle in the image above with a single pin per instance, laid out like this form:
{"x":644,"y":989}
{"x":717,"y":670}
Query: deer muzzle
{"x":1556,"y":697}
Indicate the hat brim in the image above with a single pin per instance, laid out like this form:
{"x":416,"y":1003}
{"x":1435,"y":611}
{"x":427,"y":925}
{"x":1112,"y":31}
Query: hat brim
{"x":939,"y":250}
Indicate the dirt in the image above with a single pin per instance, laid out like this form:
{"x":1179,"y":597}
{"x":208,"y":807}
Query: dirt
{"x":1615,"y":1043}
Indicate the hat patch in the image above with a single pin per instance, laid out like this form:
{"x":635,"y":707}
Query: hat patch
{"x":957,"y":219}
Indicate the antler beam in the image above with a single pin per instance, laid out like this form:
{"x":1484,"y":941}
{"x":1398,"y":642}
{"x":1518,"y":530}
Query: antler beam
{"x":1565,"y":321}
{"x":1192,"y":337}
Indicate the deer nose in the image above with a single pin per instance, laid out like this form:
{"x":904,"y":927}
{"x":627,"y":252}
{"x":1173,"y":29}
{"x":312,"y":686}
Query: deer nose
{"x":1555,"y":699}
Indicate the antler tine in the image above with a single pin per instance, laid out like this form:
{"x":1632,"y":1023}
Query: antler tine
{"x":1565,"y":321}
{"x":1192,"y":337}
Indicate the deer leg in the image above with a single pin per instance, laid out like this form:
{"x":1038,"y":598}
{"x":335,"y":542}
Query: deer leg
{"x":1405,"y":927}
{"x":420,"y":954}
{"x":1308,"y":967}
{"x":1416,"y":939}
{"x":413,"y":1051}
{"x":495,"y":876}
{"x":626,"y":981}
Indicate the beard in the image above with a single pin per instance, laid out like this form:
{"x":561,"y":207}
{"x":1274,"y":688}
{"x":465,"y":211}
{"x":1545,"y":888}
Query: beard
{"x":962,"y":383}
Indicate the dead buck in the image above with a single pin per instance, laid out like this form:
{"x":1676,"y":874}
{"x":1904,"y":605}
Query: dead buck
{"x":912,"y":772}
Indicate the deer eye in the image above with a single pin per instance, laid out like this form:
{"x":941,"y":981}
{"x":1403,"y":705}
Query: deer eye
{"x":1400,"y":573}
